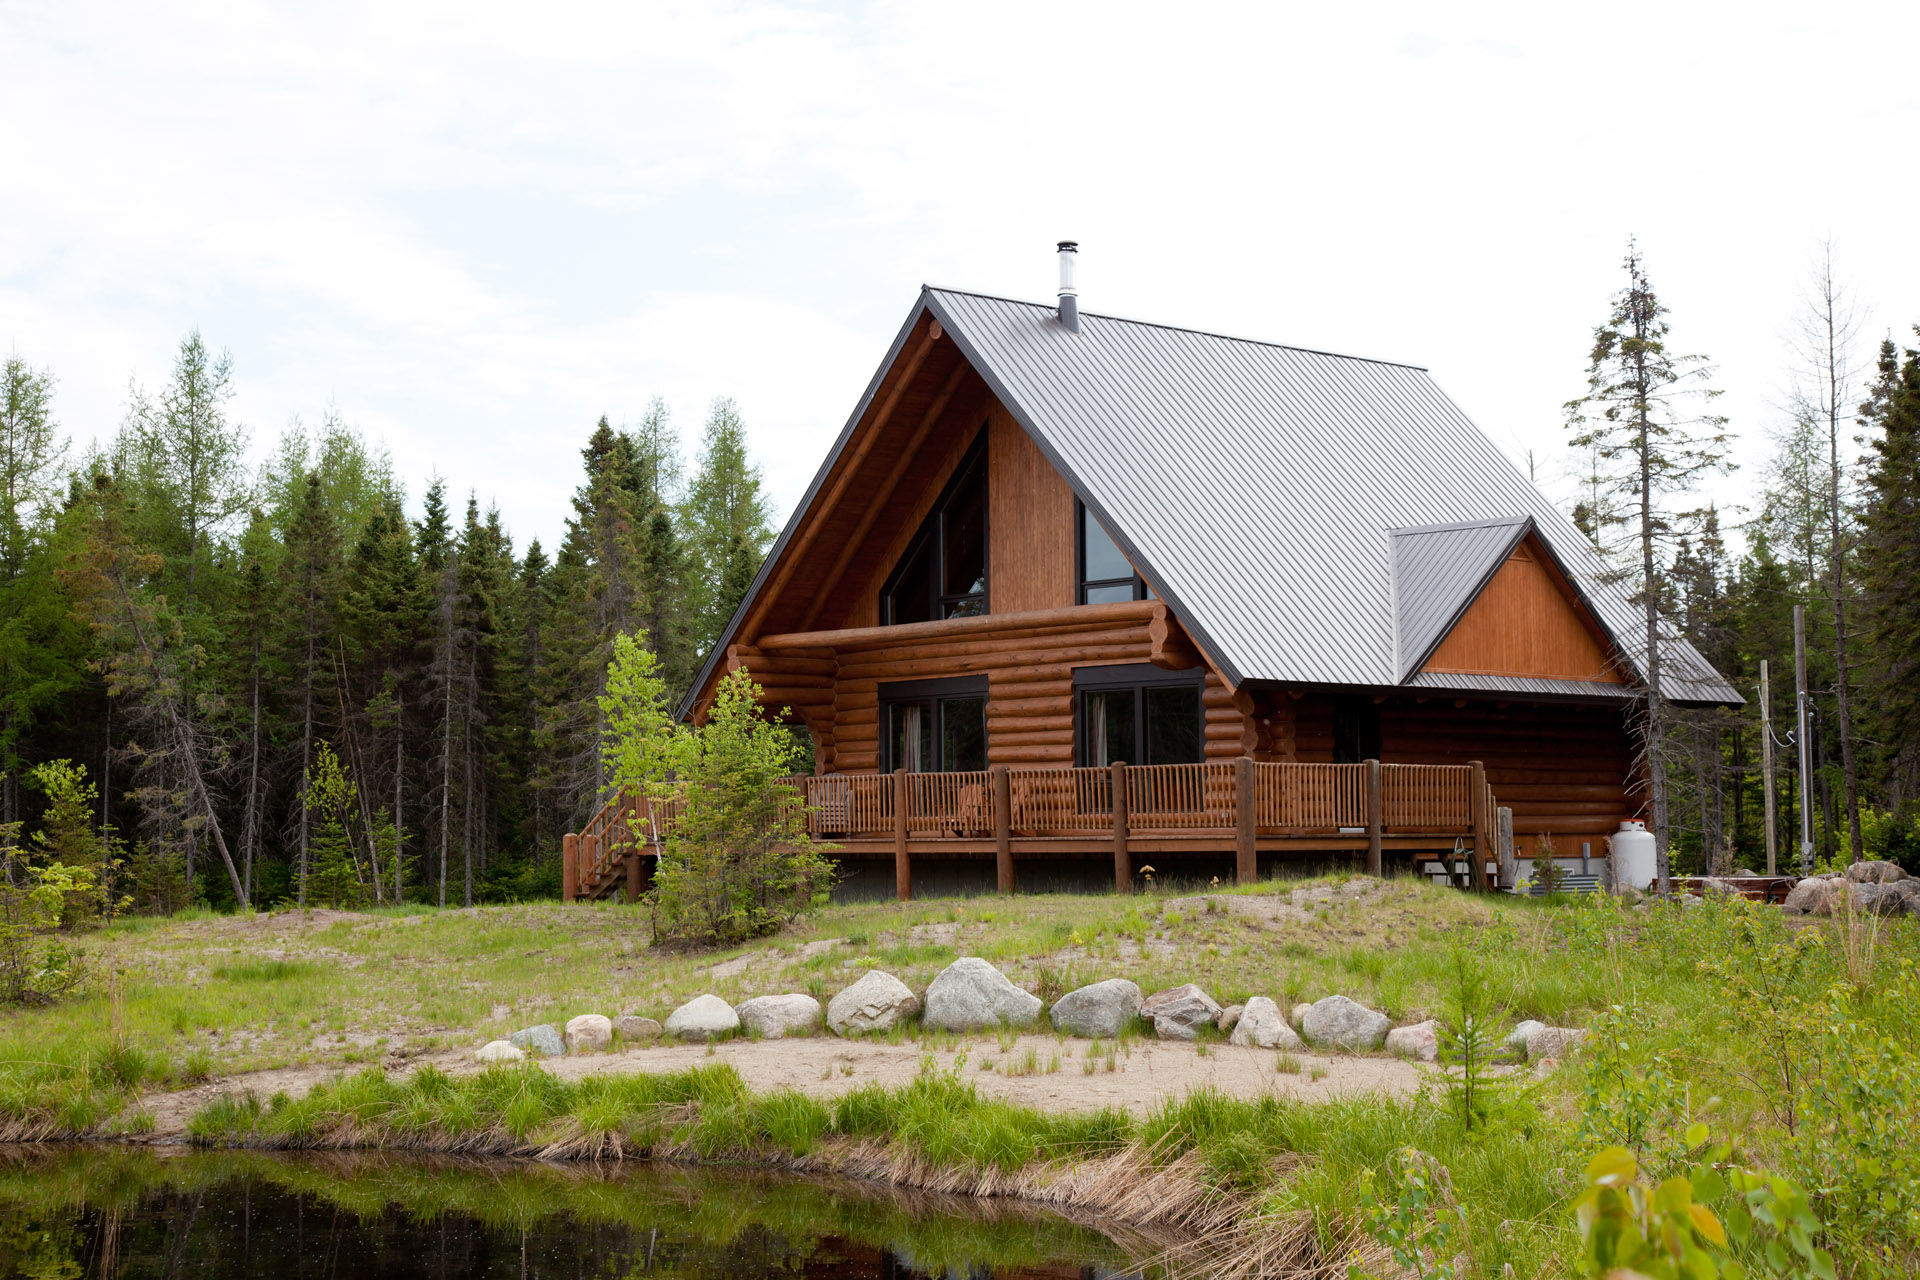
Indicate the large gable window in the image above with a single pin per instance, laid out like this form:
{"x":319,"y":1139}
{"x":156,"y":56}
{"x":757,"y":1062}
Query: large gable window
{"x":1106,"y":577}
{"x":944,"y":571}
{"x":1140,"y":714}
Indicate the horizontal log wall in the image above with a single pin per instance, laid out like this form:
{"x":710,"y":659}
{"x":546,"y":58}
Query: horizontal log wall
{"x":1566,"y":770}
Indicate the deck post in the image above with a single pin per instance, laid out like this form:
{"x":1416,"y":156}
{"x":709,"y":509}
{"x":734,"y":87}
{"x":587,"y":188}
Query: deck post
{"x":1508,"y":867}
{"x":902,"y":868}
{"x":1246,"y":854}
{"x":1122,"y":861}
{"x":1376,"y":821}
{"x":632,"y":868}
{"x":569,"y":867}
{"x":1477,"y":815}
{"x":1002,"y":780}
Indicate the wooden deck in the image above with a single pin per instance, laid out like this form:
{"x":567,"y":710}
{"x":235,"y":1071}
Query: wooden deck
{"x":1009,"y":813}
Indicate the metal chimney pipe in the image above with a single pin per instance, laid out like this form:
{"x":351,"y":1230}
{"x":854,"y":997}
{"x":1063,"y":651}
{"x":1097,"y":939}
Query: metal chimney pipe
{"x":1069,"y":296}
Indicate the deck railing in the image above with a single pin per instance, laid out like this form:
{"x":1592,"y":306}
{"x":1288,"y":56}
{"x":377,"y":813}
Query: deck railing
{"x":1289,"y":802}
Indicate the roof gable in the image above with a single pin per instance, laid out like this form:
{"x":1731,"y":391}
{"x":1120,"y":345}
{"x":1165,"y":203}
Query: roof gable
{"x":1252,"y":484}
{"x":1526,"y":620}
{"x":1437,"y":573}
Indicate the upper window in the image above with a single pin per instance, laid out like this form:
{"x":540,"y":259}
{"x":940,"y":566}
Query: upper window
{"x":944,"y":571}
{"x":1105,"y":574}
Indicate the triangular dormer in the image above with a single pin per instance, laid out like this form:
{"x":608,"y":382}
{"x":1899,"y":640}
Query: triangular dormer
{"x":1490,"y":599}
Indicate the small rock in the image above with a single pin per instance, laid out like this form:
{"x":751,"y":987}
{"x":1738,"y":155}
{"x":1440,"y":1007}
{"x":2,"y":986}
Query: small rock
{"x":589,"y":1033}
{"x":1229,"y":1017}
{"x":1179,"y":1012}
{"x":497,"y":1051}
{"x":1339,"y":1023}
{"x":1098,"y":1011}
{"x":773,"y":1017}
{"x":1516,"y":1041}
{"x":542,"y":1041}
{"x":874,"y":1003}
{"x":1553,"y":1042}
{"x":1261,"y":1026}
{"x":1299,"y":1014}
{"x":972,"y":995}
{"x":1420,"y":1041}
{"x":633,"y":1028}
{"x":702,"y":1018}
{"x":1875,"y":871}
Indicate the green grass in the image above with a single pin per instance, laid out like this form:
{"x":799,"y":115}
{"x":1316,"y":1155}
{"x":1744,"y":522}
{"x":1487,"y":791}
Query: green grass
{"x":217,"y":995}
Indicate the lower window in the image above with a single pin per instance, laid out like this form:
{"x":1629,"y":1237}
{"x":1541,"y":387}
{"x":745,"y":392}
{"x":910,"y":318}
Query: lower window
{"x":935,"y":726}
{"x":1140,"y":714}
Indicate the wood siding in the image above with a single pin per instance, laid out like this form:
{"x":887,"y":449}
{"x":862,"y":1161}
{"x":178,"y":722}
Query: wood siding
{"x":1527,"y":622}
{"x":1029,"y":522}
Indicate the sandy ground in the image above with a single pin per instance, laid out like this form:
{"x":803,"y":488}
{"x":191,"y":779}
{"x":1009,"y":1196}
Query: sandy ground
{"x":825,"y":1066}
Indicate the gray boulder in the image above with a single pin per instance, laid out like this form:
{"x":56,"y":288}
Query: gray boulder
{"x":1806,"y":896}
{"x":1262,"y":1027}
{"x":1098,"y":1011}
{"x":1553,"y":1042}
{"x":542,"y":1041}
{"x":497,"y":1051}
{"x":589,"y":1033}
{"x":1179,"y":1012}
{"x":1516,"y":1041}
{"x":1875,"y":871}
{"x":633,"y":1028}
{"x":1339,"y":1023}
{"x":1229,"y":1017}
{"x":773,"y":1017}
{"x":1909,"y":891}
{"x":972,"y":995}
{"x":1879,"y":898}
{"x":1421,"y":1041}
{"x":702,"y":1018}
{"x":874,"y":1003}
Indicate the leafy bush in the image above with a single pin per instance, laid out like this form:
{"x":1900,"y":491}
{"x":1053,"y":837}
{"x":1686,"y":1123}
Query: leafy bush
{"x":739,"y":862}
{"x":35,"y":965}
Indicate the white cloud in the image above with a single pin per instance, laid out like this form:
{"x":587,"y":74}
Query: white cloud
{"x":476,"y":228}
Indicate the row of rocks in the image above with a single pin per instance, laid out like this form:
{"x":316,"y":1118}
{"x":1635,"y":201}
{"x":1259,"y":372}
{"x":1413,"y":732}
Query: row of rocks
{"x":1875,"y":887}
{"x":972,"y":995}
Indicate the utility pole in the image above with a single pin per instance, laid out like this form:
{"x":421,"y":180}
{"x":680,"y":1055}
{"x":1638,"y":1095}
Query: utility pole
{"x":1803,"y":738}
{"x":1766,"y":765}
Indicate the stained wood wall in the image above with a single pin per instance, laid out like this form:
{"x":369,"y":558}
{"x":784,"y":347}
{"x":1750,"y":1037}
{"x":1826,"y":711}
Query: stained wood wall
{"x":1029,"y":522}
{"x":1527,"y":622}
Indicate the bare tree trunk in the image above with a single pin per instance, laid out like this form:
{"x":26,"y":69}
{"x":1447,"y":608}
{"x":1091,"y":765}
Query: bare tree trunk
{"x":306,"y":765}
{"x":446,"y":757}
{"x":250,"y":820}
{"x":399,"y":774}
{"x":469,"y":691}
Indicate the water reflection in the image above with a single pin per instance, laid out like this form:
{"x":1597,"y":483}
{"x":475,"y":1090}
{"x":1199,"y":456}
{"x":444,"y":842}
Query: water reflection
{"x":115,"y":1212}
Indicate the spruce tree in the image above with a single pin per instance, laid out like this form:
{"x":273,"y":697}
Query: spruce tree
{"x":1890,"y":564}
{"x":1646,"y":418}
{"x":309,"y":574}
{"x":729,"y":522}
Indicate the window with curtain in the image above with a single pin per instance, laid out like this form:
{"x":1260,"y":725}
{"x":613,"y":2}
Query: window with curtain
{"x":1140,"y":714}
{"x":944,"y":571}
{"x":935,"y":726}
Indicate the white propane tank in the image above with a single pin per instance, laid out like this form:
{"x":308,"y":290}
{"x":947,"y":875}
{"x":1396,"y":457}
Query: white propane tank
{"x":1633,"y":857}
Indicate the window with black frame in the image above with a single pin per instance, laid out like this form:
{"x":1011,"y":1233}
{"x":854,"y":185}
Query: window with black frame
{"x":944,"y":571}
{"x":935,"y":726}
{"x":1140,"y":714}
{"x":1106,"y":576}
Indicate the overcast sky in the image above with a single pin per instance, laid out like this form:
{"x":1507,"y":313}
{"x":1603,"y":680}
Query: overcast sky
{"x":473,"y":229}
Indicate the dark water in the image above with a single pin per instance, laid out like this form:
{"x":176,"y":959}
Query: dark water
{"x":114,"y":1212}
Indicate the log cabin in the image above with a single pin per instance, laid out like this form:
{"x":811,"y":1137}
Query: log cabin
{"x":1070,"y":586}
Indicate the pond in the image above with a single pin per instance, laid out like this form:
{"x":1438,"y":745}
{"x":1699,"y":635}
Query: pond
{"x":106,"y":1211}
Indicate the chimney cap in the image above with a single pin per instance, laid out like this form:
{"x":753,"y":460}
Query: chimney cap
{"x":1069,"y":246}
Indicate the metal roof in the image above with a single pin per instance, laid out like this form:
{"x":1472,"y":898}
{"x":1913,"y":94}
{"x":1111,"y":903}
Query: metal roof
{"x":1437,"y":572}
{"x":1257,"y":486}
